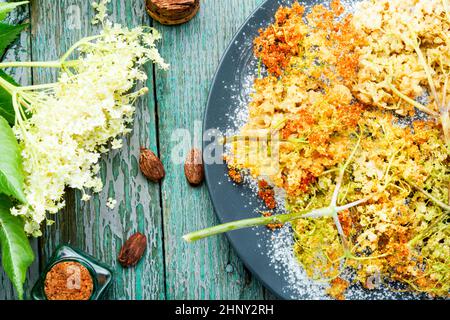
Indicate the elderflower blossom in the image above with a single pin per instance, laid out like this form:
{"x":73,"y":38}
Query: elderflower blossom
{"x":111,"y":203}
{"x":73,"y":121}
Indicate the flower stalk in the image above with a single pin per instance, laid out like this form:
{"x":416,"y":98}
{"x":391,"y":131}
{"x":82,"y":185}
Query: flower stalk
{"x":331,"y":211}
{"x":37,"y":64}
{"x":444,"y":113}
{"x":438,"y":202}
{"x":10,"y":88}
{"x":249,"y":223}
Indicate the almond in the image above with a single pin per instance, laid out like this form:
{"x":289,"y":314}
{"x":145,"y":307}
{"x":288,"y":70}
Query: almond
{"x":151,"y":166}
{"x":133,"y":250}
{"x":172,"y":12}
{"x":193,"y":168}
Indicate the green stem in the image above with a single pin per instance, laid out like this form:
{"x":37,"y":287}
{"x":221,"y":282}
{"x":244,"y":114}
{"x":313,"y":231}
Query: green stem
{"x":416,"y":45}
{"x":412,"y":102}
{"x":429,"y":196}
{"x":342,"y":173}
{"x":445,"y":114}
{"x":278,"y":125}
{"x":37,"y":87}
{"x":351,"y":205}
{"x":425,"y":65}
{"x":38,"y":64}
{"x":31,"y":64}
{"x":445,"y":121}
{"x":78,"y":44}
{"x":7,"y":86}
{"x":248,"y":223}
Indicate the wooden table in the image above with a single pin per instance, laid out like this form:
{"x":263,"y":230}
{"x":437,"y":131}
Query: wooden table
{"x":164,"y":212}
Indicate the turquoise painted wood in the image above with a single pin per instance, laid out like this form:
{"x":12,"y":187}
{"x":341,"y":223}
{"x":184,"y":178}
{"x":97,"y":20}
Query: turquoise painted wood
{"x":91,"y":226}
{"x":208,"y":269}
{"x":170,"y":268}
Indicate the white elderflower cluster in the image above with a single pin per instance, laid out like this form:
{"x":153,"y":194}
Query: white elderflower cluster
{"x":73,"y":121}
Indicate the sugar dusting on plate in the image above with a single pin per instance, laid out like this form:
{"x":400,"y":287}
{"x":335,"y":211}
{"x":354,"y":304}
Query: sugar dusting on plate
{"x":285,"y":263}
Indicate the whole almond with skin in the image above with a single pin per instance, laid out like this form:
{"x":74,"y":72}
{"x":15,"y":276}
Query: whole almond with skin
{"x":193,"y":167}
{"x":133,"y":250}
{"x":172,"y":12}
{"x":151,"y":166}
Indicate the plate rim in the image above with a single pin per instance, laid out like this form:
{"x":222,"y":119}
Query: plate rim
{"x":237,"y":33}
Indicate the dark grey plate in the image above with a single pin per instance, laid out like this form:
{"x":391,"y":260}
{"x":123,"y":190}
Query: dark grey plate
{"x":231,"y":202}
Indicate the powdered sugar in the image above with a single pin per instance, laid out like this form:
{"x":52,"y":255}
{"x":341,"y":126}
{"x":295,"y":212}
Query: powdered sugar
{"x":286,"y":264}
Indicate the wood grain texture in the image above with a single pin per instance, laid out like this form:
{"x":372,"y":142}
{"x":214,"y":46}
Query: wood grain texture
{"x":170,"y":268}
{"x":20,"y":51}
{"x":91,"y":226}
{"x":208,"y":269}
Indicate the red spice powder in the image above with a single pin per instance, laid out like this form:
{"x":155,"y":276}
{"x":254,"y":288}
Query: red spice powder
{"x":68,"y":281}
{"x":307,"y":181}
{"x":277,"y":44}
{"x":346,"y":221}
{"x":267,"y":194}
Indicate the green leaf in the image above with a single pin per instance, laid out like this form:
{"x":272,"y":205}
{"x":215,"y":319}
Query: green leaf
{"x":17,"y":255}
{"x":8,"y":34}
{"x":11,"y":171}
{"x":6,"y":105}
{"x":6,"y":8}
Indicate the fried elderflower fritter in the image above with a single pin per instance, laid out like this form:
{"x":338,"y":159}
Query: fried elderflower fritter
{"x":331,"y":78}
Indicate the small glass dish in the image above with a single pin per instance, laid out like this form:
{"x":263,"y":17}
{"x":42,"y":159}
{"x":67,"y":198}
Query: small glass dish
{"x":101,"y":274}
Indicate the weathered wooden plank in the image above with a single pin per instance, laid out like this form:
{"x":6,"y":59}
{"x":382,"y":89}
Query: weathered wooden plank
{"x":91,"y":226}
{"x":20,"y":51}
{"x":208,"y":269}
